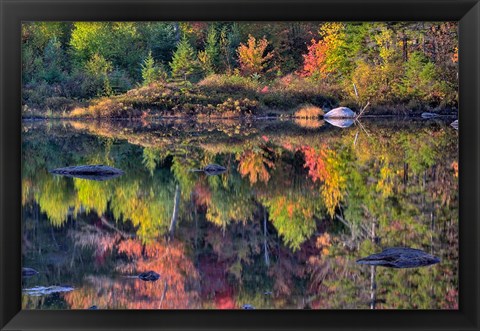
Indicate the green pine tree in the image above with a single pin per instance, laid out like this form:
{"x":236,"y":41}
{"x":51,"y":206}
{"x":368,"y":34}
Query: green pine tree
{"x":184,"y":62}
{"x":149,"y":71}
{"x":52,"y":62}
{"x":209,"y":57}
{"x":98,"y":69}
{"x":420,"y":79}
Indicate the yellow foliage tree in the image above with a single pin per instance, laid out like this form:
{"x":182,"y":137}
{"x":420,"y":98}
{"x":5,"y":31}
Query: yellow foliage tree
{"x":253,"y":56}
{"x":254,"y":165}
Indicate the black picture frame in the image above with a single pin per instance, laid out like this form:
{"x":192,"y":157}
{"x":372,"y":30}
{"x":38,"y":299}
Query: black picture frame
{"x":13,"y":12}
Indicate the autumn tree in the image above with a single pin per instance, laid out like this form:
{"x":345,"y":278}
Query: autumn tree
{"x":336,"y":54}
{"x":255,"y":165}
{"x":314,"y":65}
{"x":253,"y":57}
{"x":324,"y":165}
{"x":332,"y":54}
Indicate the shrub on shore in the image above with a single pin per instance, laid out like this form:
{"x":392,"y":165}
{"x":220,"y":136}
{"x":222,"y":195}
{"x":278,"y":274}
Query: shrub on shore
{"x":216,"y":95}
{"x":229,"y":96}
{"x":309,"y":111}
{"x":229,"y":83}
{"x":106,"y":108}
{"x":167,"y":99}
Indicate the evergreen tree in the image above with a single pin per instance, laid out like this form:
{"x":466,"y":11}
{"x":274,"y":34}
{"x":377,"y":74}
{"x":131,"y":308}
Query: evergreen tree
{"x":52,"y":62}
{"x":209,"y":57}
{"x":419,"y":81}
{"x":149,"y":71}
{"x":160,"y":38}
{"x":184,"y":62}
{"x":229,"y":41}
{"x":98,"y":68}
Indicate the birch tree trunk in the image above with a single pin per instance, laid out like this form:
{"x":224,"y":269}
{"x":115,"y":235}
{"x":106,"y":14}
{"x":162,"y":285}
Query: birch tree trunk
{"x":173,"y":222}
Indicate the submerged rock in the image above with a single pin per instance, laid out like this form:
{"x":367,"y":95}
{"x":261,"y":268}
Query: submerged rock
{"x":248,"y":307}
{"x":454,"y":124}
{"x":29,"y":272}
{"x":212,"y":169}
{"x":97,"y":172}
{"x":340,"y":112}
{"x":400,"y":257}
{"x":46,"y":290}
{"x":149,"y":276}
{"x":429,"y":115}
{"x":340,"y":122}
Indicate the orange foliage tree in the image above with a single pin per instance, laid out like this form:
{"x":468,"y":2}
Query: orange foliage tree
{"x":254,"y":165}
{"x":314,"y":62}
{"x":253,"y":56}
{"x":323,"y":165}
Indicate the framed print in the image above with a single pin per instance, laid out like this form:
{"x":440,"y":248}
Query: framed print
{"x":179,"y":165}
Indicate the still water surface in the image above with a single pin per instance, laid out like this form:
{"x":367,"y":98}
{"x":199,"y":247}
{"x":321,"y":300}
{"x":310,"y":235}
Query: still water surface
{"x":299,"y":203}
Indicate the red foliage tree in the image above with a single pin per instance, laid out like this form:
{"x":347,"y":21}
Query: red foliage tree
{"x":314,"y":61}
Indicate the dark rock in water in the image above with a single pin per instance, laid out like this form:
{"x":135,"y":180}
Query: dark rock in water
{"x":149,"y":276}
{"x":29,"y":272}
{"x":429,"y":115}
{"x":248,"y":307}
{"x":46,"y":290}
{"x":340,"y":112}
{"x":340,"y":122}
{"x":212,"y":169}
{"x":92,"y":172}
{"x":400,"y":257}
{"x":93,"y":307}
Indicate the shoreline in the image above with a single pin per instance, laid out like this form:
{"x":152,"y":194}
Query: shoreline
{"x":239,"y":118}
{"x":219,"y":118}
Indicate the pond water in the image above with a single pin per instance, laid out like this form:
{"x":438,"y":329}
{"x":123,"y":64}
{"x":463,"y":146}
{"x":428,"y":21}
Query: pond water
{"x":300,"y":201}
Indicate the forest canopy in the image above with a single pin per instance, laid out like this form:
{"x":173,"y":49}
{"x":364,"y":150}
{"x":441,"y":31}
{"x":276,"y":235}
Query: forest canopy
{"x":260,"y":65}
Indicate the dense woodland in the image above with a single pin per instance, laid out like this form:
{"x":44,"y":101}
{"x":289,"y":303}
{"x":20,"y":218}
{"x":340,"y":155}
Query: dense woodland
{"x":300,"y":200}
{"x":85,"y":69}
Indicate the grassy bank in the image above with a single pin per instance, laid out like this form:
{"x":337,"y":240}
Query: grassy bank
{"x":225,"y":96}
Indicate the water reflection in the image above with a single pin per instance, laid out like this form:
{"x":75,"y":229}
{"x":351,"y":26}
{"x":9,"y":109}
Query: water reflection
{"x":280,"y":227}
{"x":340,"y":122}
{"x":92,"y":172}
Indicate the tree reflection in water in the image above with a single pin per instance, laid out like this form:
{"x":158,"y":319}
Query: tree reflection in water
{"x":281,"y":228}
